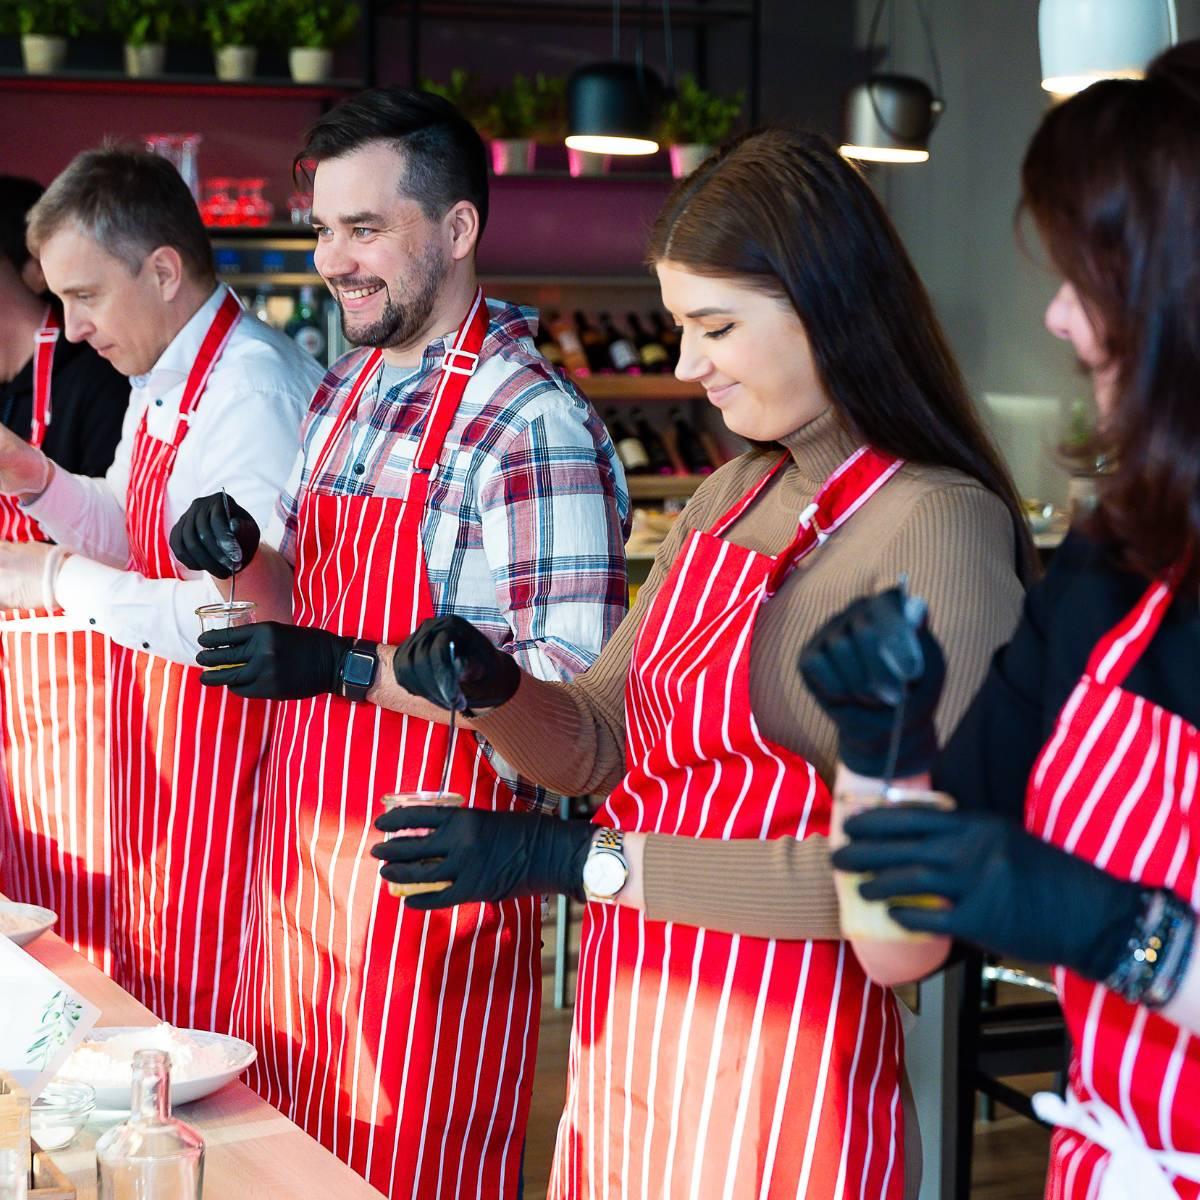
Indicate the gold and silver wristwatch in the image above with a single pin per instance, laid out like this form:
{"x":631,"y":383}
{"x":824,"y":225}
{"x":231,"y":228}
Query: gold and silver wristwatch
{"x":605,"y":871}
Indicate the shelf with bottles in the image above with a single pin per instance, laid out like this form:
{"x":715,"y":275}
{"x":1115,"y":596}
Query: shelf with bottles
{"x":83,"y":82}
{"x":602,"y":389}
{"x":662,"y":487}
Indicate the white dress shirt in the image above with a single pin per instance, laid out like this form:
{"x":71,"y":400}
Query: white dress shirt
{"x":244,"y":436}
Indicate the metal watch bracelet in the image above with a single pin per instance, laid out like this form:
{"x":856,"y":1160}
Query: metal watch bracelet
{"x":1158,"y":952}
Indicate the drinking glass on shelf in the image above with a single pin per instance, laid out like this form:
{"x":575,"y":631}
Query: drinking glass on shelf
{"x":409,"y":800}
{"x":300,"y":208}
{"x":219,"y":207}
{"x":253,"y":207}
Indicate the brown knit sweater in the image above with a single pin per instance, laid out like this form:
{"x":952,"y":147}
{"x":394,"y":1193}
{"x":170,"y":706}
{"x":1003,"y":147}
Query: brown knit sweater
{"x":952,"y":537}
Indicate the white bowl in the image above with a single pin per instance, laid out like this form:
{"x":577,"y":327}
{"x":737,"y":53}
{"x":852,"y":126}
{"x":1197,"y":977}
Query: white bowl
{"x":37,"y":921}
{"x":183,"y":1091}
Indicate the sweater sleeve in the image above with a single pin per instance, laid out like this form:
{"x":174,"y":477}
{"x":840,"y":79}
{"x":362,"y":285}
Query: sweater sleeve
{"x":956,"y":547}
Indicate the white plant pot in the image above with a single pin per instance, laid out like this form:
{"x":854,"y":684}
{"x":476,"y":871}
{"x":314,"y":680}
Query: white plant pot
{"x":145,"y":60}
{"x":687,"y":157}
{"x":584,"y":162}
{"x":310,"y":64}
{"x":236,"y":62}
{"x":513,"y":156}
{"x":43,"y":55}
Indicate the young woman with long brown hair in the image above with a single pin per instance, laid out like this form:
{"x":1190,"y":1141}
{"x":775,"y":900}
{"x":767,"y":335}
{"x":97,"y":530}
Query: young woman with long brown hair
{"x":1077,"y":842}
{"x":726,"y":1040}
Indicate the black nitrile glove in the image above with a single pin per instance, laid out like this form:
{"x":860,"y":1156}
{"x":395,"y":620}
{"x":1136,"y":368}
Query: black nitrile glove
{"x":476,"y":671}
{"x":205,"y":539}
{"x":273,"y":661}
{"x":1010,"y":893}
{"x":860,"y":664}
{"x":489,"y":856}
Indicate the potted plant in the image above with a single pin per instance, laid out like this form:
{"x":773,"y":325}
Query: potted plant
{"x":144,"y":26}
{"x":510,"y":121}
{"x":312,"y":29}
{"x":693,"y":121}
{"x":463,"y":90}
{"x":45,"y":26}
{"x":236,"y":29}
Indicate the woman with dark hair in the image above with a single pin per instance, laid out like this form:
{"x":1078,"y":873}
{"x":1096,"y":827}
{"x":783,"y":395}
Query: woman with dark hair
{"x":1076,"y":841}
{"x":726,"y":1040}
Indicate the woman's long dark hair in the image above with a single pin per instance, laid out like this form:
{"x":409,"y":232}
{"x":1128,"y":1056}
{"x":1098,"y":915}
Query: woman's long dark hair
{"x":1112,"y":181}
{"x":784,"y":211}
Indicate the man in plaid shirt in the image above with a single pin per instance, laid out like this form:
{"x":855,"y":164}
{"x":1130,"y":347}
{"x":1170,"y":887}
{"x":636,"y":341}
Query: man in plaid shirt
{"x":445,"y":467}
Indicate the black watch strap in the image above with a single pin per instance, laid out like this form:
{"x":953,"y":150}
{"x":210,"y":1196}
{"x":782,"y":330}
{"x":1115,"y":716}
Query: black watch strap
{"x":359,"y":666}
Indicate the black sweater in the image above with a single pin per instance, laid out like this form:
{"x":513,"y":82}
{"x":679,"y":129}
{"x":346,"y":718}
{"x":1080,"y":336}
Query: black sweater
{"x":991,"y":754}
{"x":88,"y":398}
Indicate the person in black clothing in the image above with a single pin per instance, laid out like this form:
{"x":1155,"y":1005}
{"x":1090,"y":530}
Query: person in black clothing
{"x":89,"y":396}
{"x":1076,"y":842}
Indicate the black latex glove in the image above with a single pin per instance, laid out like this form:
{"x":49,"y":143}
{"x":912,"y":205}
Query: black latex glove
{"x":274,"y":661}
{"x":1010,"y":893}
{"x":860,"y":664}
{"x":204,"y":539}
{"x":477,"y":671}
{"x":488,"y":855}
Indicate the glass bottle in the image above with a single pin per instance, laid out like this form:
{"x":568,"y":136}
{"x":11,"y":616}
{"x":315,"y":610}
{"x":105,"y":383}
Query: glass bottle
{"x":152,"y":1156}
{"x":305,"y":327}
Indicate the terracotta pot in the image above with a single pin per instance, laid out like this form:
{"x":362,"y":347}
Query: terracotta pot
{"x":145,"y":60}
{"x":513,"y":156}
{"x":43,"y":55}
{"x":687,"y":157}
{"x":310,"y":64}
{"x":235,"y":62}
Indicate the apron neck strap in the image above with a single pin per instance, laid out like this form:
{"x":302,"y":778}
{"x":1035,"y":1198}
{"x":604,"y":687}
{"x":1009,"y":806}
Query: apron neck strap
{"x":45,"y":340}
{"x":737,"y":510}
{"x":1118,"y":651}
{"x":215,"y":340}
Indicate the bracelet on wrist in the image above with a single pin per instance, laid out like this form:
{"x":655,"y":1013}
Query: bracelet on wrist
{"x":1158,"y":952}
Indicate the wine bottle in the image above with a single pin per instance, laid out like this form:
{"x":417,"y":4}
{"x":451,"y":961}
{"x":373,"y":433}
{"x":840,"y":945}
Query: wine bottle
{"x":304,"y":327}
{"x":629,"y":446}
{"x":693,"y":454}
{"x":569,"y":345}
{"x":547,"y":345}
{"x":660,"y":460}
{"x":622,"y":353}
{"x":594,"y":344}
{"x":652,"y":354}
{"x":668,"y":335}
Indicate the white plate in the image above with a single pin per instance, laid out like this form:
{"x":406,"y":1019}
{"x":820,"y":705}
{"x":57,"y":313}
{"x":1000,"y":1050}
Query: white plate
{"x":240,"y":1054}
{"x":40,"y":920}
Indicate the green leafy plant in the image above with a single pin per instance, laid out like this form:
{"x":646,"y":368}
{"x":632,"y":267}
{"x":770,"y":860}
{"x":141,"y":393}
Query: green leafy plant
{"x":463,"y":90}
{"x":59,"y":1018}
{"x":54,"y":18}
{"x":240,"y":22}
{"x":318,"y":24}
{"x":695,"y":115}
{"x":143,"y":22}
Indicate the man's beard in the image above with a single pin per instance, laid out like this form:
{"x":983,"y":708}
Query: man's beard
{"x":400,"y":324}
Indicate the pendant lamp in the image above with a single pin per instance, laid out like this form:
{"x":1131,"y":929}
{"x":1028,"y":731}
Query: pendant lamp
{"x":1082,"y":41}
{"x":612,"y":106}
{"x":889,"y":117}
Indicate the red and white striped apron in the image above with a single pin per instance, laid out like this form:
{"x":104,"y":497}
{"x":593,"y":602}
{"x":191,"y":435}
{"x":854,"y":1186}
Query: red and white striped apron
{"x":53,"y":678}
{"x":403,"y":1040}
{"x":184,"y":763}
{"x":705,"y":1064}
{"x":1116,"y":785}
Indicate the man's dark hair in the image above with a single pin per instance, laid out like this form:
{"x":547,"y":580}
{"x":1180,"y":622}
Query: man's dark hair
{"x":444,"y":156}
{"x":17,"y":196}
{"x":129,"y":201}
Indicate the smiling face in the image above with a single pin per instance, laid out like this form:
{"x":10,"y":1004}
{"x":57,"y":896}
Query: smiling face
{"x":1068,"y":319}
{"x":125,"y":317}
{"x":747,"y":349}
{"x":382,"y":258}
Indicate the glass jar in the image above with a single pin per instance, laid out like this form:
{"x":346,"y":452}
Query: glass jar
{"x":253,"y":206}
{"x":219,"y":207}
{"x":152,"y":1154}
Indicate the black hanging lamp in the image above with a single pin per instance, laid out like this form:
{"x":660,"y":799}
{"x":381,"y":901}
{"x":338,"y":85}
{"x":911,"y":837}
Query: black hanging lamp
{"x":889,"y":117}
{"x":612,"y":106}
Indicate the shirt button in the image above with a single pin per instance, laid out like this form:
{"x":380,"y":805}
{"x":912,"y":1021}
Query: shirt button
{"x":159,"y":403}
{"x":91,"y":620}
{"x":359,"y":468}
{"x":145,"y":645}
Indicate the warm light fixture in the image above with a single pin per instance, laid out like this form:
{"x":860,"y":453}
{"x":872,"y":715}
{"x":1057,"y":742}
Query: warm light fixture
{"x":888,"y":118}
{"x":1082,"y":41}
{"x":612,"y":106}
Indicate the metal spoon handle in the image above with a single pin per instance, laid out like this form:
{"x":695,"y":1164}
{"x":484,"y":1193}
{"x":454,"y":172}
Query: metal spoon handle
{"x":233,"y":575}
{"x":458,"y":703}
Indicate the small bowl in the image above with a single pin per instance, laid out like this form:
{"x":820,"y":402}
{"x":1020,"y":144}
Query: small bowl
{"x":60,"y":1112}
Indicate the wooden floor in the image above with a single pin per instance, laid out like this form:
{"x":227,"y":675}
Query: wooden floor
{"x":1009,"y":1153}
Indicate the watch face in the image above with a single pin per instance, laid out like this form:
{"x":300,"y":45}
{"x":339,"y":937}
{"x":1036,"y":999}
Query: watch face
{"x":604,"y":874}
{"x":359,"y":669}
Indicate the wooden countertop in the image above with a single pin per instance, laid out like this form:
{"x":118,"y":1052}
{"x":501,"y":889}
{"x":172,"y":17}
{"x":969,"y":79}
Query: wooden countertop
{"x":253,"y":1152}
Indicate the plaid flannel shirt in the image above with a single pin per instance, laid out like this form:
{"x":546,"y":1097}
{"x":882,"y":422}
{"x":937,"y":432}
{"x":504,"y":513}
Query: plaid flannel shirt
{"x":528,"y":508}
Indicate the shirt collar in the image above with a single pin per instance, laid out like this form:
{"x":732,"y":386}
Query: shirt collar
{"x":175,"y":363}
{"x":507,"y":323}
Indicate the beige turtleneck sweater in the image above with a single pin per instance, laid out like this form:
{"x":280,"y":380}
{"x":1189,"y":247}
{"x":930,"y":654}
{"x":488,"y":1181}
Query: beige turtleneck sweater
{"x":954,"y":540}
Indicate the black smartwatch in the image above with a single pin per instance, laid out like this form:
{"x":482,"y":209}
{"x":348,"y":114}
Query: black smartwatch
{"x":358,"y":669}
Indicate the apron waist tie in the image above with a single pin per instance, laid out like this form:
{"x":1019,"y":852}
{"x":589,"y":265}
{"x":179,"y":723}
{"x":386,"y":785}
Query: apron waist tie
{"x":1133,"y":1168}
